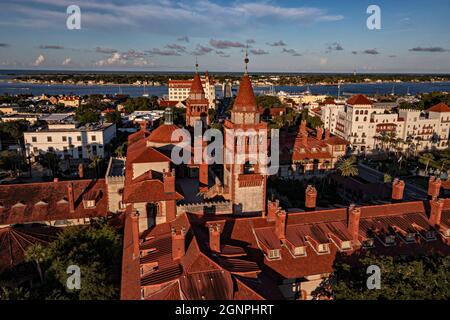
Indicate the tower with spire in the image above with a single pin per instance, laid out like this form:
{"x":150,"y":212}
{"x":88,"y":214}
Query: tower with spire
{"x":197,"y":104}
{"x":244,"y":182}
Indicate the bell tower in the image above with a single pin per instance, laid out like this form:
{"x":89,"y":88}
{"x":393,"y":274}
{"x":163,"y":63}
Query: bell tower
{"x":245,"y":136}
{"x":197,"y":104}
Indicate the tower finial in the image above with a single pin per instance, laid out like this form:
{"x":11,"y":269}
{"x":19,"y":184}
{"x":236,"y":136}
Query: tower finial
{"x":196,"y":64}
{"x":246,"y":60}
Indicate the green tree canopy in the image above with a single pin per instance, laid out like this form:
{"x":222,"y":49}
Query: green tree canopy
{"x":402,"y":278}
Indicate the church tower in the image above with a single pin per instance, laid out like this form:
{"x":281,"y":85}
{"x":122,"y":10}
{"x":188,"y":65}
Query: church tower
{"x":244,"y":181}
{"x":197,"y":104}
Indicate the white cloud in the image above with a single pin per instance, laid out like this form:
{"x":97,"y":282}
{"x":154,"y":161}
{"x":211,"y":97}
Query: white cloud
{"x":67,"y":61}
{"x":39,"y":60}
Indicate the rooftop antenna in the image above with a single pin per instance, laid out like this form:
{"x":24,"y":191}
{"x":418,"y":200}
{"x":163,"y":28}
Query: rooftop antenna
{"x":196,"y":64}
{"x":246,"y":60}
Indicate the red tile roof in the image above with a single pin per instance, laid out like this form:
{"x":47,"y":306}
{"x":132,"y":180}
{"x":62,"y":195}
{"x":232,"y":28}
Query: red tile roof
{"x":196,"y":86}
{"x":441,"y":107}
{"x":48,"y":201}
{"x":359,"y":99}
{"x":163,"y":134}
{"x":245,"y":100}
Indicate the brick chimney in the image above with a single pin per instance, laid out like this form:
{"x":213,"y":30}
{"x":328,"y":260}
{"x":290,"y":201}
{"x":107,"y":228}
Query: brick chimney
{"x":178,"y":243}
{"x":436,"y":211}
{"x":171,"y":210}
{"x":135,"y":233}
{"x":71,"y":197}
{"x":398,"y":187}
{"x":272,"y":209}
{"x":310,"y":197}
{"x":203,"y":176}
{"x":354,"y":215}
{"x":327,"y":134}
{"x":319,"y":131}
{"x":169,"y":181}
{"x":214,"y":237}
{"x":280,"y":224}
{"x":434,"y":187}
{"x":81,"y":171}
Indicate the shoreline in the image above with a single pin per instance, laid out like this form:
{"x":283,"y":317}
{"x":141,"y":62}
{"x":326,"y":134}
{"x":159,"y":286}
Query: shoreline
{"x":218,"y":85}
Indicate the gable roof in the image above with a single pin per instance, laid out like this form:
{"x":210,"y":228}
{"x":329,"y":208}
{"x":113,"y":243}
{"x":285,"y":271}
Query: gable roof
{"x":48,"y":201}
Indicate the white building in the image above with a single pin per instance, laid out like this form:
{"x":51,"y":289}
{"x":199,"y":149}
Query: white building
{"x":363,"y":123}
{"x":79,"y":142}
{"x":179,"y":89}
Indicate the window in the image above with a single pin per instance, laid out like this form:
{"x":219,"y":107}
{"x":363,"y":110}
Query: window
{"x":94,"y":150}
{"x":299,"y":251}
{"x":89,"y":204}
{"x":367,"y":243}
{"x":94,"y":138}
{"x":35,"y":150}
{"x":49,"y":139}
{"x":64,"y":138}
{"x":50,"y":149}
{"x":389,"y":240}
{"x":323,"y":248}
{"x":346,"y":245}
{"x":274,"y":254}
{"x":33,"y":139}
{"x":78,"y":138}
{"x":411,"y":237}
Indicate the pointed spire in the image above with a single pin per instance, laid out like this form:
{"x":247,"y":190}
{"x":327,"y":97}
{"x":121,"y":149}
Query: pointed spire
{"x":197,"y":86}
{"x":246,"y":60}
{"x":245,"y":99}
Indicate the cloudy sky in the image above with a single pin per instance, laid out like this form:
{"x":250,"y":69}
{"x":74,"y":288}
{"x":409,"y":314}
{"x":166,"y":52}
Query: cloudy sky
{"x":294,"y":35}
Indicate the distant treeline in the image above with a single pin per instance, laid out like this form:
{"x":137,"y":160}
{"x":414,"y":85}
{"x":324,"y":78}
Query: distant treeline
{"x":276,"y":79}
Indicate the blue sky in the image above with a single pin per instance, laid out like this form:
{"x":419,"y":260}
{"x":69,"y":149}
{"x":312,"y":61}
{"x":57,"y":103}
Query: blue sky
{"x":294,"y":35}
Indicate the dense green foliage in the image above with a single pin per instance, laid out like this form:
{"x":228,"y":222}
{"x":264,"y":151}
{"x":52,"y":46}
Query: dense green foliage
{"x":141,"y":103}
{"x":427,"y":100}
{"x":402,"y":278}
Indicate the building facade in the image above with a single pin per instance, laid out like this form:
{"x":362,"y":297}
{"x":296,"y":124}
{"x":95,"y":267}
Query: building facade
{"x":78,"y":142}
{"x":179,"y":89}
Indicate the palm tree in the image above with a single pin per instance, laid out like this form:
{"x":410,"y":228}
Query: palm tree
{"x":36,"y":253}
{"x":426,"y":158}
{"x":95,"y":162}
{"x":347,"y":167}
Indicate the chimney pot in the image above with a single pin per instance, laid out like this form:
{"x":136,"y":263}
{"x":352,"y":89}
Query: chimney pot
{"x":272,"y":209}
{"x":436,"y":211}
{"x":354,"y":215}
{"x":434,"y":187}
{"x":319,"y":133}
{"x":398,"y":187}
{"x":214,"y":237}
{"x":280,"y":224}
{"x":178,"y":243}
{"x":71,"y":197}
{"x":169,"y":181}
{"x":310,"y":197}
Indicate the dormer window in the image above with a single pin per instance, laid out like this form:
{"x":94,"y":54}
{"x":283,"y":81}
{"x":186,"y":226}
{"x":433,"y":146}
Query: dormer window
{"x":389,"y":240}
{"x":142,"y":293}
{"x":89,"y":204}
{"x":410,"y":237}
{"x":323,"y":248}
{"x":367,"y":243}
{"x":299,"y":251}
{"x":346,"y":245}
{"x":447,"y":233}
{"x":274,"y":254}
